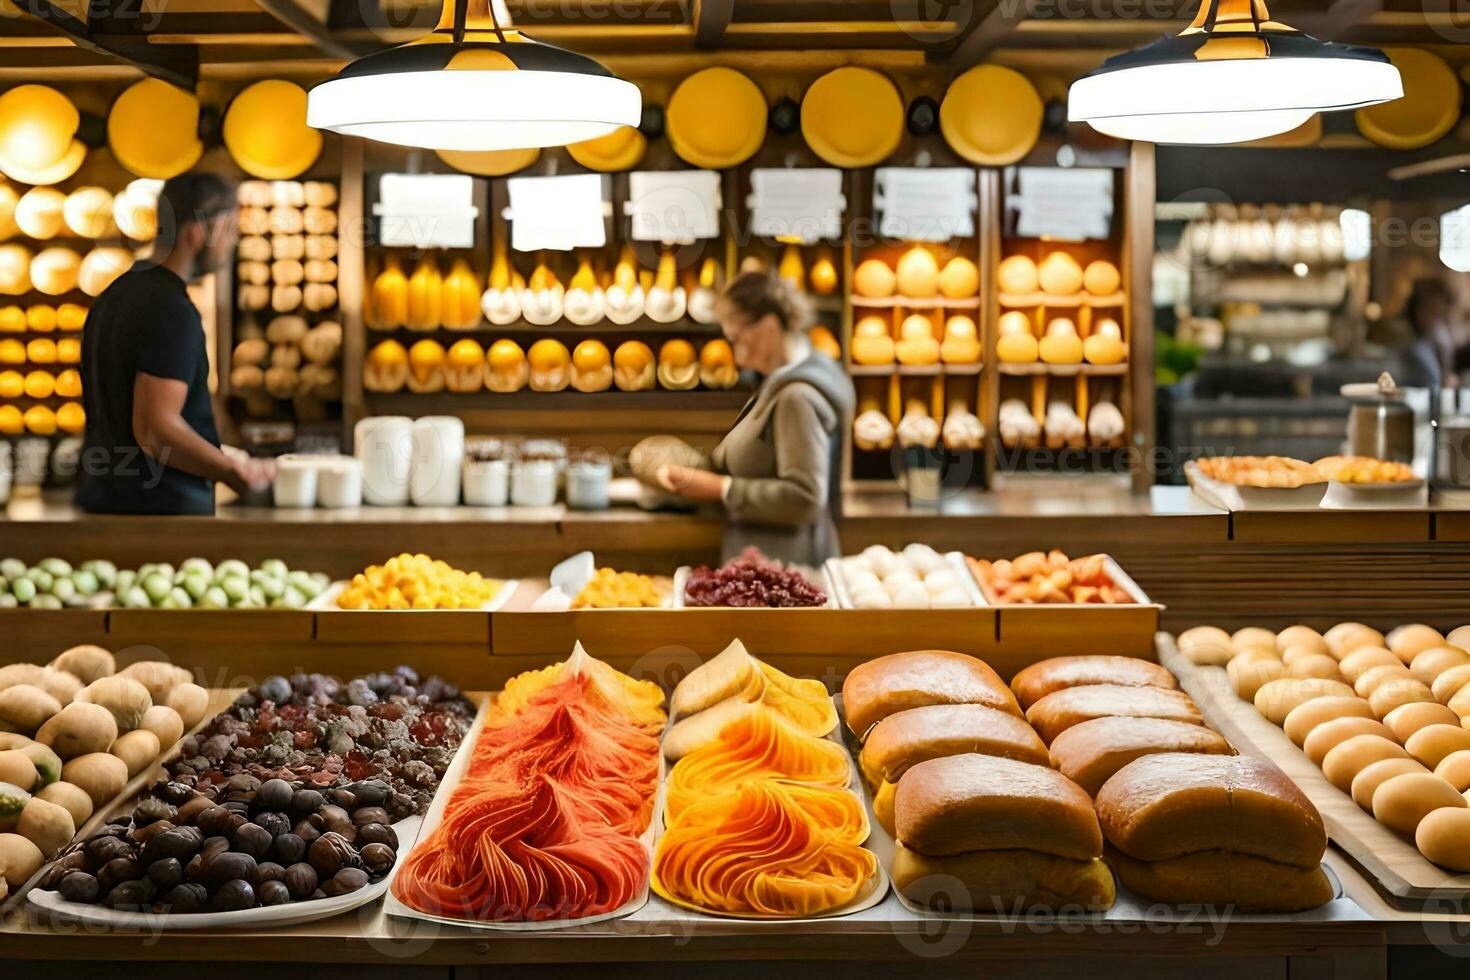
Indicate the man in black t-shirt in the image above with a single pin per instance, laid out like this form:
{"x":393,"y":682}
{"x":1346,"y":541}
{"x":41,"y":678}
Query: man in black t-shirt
{"x":151,"y":444}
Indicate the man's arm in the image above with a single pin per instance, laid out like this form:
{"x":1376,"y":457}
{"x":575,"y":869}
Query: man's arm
{"x":159,"y":427}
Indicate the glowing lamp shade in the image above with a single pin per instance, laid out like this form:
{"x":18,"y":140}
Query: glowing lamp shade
{"x":474,"y":83}
{"x":1233,"y":76}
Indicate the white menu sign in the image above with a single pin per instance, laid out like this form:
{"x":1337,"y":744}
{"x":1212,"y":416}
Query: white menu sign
{"x":1066,"y":204}
{"x":676,"y":207}
{"x":426,"y":210}
{"x":930,"y":204}
{"x":803,"y":205}
{"x":558,"y":213}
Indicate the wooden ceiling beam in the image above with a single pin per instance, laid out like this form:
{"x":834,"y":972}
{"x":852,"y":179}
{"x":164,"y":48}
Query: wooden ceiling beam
{"x":989,"y":32}
{"x":711,"y":18}
{"x":311,"y":24}
{"x":120,"y":40}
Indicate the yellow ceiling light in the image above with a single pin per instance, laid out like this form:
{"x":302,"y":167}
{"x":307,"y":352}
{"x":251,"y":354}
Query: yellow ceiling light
{"x":716,"y":118}
{"x":991,"y":115}
{"x":1429,"y":109}
{"x":619,"y":150}
{"x":1232,"y":76}
{"x":475,"y":83}
{"x":489,"y":163}
{"x":37,"y":126}
{"x":153,"y":129}
{"x":852,"y":117}
{"x":266,"y":132}
{"x":54,"y":173}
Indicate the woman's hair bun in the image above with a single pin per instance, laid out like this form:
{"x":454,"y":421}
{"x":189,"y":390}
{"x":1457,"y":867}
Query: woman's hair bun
{"x":758,"y":292}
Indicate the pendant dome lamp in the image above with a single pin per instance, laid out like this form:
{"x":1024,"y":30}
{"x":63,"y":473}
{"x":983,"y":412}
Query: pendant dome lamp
{"x":1232,"y":76}
{"x":474,"y":83}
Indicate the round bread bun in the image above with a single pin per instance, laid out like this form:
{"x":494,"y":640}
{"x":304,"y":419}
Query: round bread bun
{"x":1400,"y":802}
{"x":1395,"y":694}
{"x":1371,"y":679}
{"x":1443,"y":836}
{"x":1318,"y":665}
{"x":1206,"y":646}
{"x":1352,"y":756}
{"x":1252,"y":670}
{"x":1459,"y":637}
{"x":1432,"y":744}
{"x":1304,"y":718}
{"x":1301,"y":636}
{"x":1277,"y":698}
{"x":1291,"y":654}
{"x":1455,"y":770}
{"x":1366,"y":782}
{"x":1410,"y":640}
{"x":1449,"y":683}
{"x":1362,"y":660}
{"x":1407,"y":719}
{"x":1344,"y":638}
{"x":1253,"y":638}
{"x":1429,"y":664}
{"x":1325,"y":737}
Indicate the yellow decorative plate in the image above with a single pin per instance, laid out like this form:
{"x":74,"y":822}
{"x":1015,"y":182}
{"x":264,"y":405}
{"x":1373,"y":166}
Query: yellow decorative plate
{"x":1429,"y":109}
{"x":991,"y":115}
{"x":153,"y":129}
{"x":490,"y":163}
{"x":266,"y":133}
{"x":619,"y":150}
{"x":716,"y":118}
{"x":37,"y":127}
{"x":852,"y":117}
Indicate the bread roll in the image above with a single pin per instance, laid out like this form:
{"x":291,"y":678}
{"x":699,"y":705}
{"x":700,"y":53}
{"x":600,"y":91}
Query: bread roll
{"x":1443,"y":836}
{"x":1090,"y":753}
{"x":1373,"y":678}
{"x":1352,"y":756}
{"x":1330,"y":734}
{"x":937,"y":730}
{"x":883,"y":807}
{"x":1410,"y":640}
{"x":1164,"y":806}
{"x":1400,"y":802}
{"x":999,"y":881}
{"x":1397,"y":693}
{"x":899,"y":681}
{"x":1449,"y":683}
{"x":1344,"y":638}
{"x":1305,"y":717}
{"x":983,"y":803}
{"x":1429,"y":664}
{"x":1459,"y":703}
{"x":1432,"y":743}
{"x":1060,"y":710}
{"x":1301,"y":637}
{"x":1253,"y":638}
{"x":1290,"y":655}
{"x":1252,"y":671}
{"x":1407,"y":719}
{"x":1359,"y":662}
{"x":1455,"y":770}
{"x":1277,"y":699}
{"x":1208,"y":646}
{"x":1041,"y":679}
{"x":1313,"y":665}
{"x":1366,"y":783}
{"x":1225,"y":880}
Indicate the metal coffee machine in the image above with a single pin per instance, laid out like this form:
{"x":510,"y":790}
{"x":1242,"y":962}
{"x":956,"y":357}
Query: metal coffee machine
{"x":1380,"y":423}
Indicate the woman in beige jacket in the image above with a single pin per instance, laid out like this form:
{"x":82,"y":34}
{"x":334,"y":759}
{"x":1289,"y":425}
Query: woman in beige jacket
{"x":775,"y":471}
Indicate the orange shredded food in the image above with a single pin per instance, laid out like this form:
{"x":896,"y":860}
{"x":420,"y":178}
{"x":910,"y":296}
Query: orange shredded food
{"x":547,"y":821}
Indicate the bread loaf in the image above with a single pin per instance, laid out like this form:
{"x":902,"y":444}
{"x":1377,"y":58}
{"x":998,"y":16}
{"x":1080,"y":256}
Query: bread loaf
{"x":1060,"y":710}
{"x":937,"y":730}
{"x":1090,"y":753}
{"x":899,"y":681}
{"x":1041,"y":679}
{"x":1165,"y":806}
{"x":1224,"y":879}
{"x":1002,"y":882}
{"x":983,"y":803}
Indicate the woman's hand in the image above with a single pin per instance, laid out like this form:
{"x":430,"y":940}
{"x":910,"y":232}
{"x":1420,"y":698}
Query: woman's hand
{"x":693,"y":484}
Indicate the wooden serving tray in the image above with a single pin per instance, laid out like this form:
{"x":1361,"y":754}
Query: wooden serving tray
{"x":1391,"y":862}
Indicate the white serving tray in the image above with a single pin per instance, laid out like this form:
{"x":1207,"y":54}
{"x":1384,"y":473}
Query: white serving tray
{"x":1229,"y":496}
{"x":1114,"y":572}
{"x":327,"y":601}
{"x":818,"y":576}
{"x":1405,"y":495}
{"x":833,"y":568}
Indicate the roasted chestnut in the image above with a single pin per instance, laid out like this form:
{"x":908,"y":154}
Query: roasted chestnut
{"x":307,"y":830}
{"x":370,"y":792}
{"x":288,"y":848}
{"x":130,"y":895}
{"x":213,"y":821}
{"x":188,"y":811}
{"x":273,"y":794}
{"x":142,"y":835}
{"x":269,"y":871}
{"x":186,"y":898}
{"x":233,"y":896}
{"x":166,"y":874}
{"x":78,"y":886}
{"x":152,"y":810}
{"x":307,"y":801}
{"x":176,"y":842}
{"x":377,"y":833}
{"x":100,"y":850}
{"x":369,"y":814}
{"x":273,"y":893}
{"x":336,"y":820}
{"x":330,"y":853}
{"x":229,"y":866}
{"x":242,"y":782}
{"x":344,"y":881}
{"x":377,"y":858}
{"x":252,"y":839}
{"x":301,"y":879}
{"x":117,"y":871}
{"x":274,"y":822}
{"x":173,"y":793}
